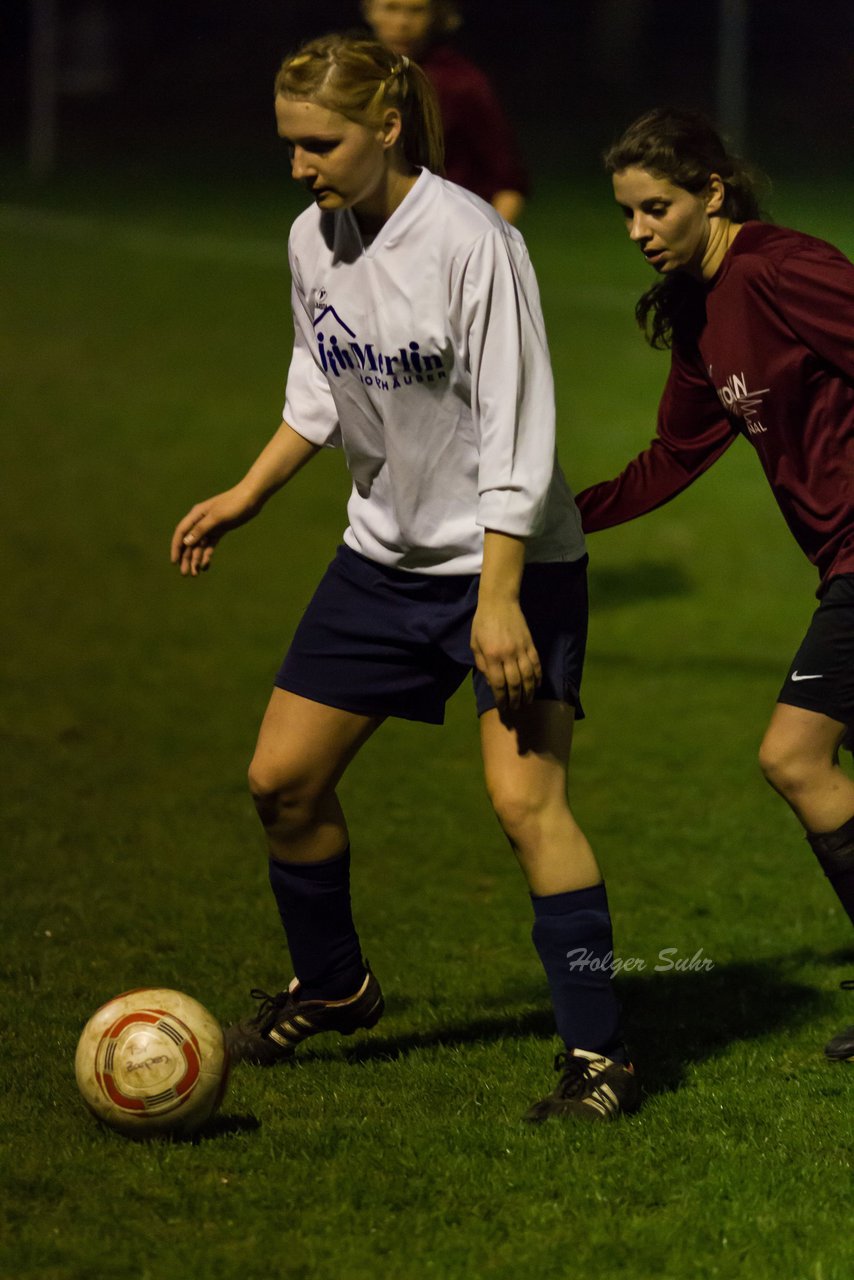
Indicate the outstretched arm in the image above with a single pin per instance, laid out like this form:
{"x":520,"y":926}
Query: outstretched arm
{"x":196,"y":536}
{"x":650,"y":480}
{"x":693,"y":432}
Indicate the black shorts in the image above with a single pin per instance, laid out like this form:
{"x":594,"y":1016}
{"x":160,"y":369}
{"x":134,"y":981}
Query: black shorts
{"x":821,"y":677}
{"x":381,"y":641}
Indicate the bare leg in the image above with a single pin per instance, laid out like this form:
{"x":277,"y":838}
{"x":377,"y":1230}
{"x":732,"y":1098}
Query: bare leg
{"x":303,"y":749}
{"x":800,"y":758}
{"x":526,"y":759}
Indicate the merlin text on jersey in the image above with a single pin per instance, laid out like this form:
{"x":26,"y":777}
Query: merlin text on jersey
{"x":339,"y":352}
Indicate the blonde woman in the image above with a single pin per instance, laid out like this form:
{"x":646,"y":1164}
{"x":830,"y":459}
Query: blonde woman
{"x":420,"y":351}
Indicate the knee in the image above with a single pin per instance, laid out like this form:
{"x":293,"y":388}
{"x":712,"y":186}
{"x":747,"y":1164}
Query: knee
{"x":520,"y":812}
{"x":788,"y":769}
{"x":283,"y":798}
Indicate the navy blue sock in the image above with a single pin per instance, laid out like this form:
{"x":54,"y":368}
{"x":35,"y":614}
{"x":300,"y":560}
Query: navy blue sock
{"x":314,"y":903}
{"x":572,"y":935}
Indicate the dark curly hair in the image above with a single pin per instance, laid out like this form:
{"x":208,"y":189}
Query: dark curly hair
{"x":684,"y":147}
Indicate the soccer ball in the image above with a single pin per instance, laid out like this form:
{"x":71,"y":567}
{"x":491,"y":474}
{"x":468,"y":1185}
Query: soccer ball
{"x":152,"y":1061}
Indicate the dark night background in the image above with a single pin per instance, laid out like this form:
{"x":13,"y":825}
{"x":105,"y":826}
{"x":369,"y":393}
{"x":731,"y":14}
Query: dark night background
{"x":190,"y":82}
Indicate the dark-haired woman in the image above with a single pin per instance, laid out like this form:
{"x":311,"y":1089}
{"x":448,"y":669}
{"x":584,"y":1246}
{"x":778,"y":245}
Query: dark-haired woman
{"x":760,"y":323}
{"x":420,"y":350}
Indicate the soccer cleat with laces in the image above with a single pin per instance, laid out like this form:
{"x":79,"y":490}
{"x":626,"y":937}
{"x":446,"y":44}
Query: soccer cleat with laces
{"x":841,"y":1047}
{"x":590,"y":1087}
{"x":283,"y":1021}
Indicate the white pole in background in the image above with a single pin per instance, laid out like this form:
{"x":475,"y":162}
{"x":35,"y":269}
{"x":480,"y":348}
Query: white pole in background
{"x":43,"y":43}
{"x":732,"y":71}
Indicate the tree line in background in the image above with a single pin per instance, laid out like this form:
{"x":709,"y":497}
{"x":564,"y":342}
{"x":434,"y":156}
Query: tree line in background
{"x":569,"y":71}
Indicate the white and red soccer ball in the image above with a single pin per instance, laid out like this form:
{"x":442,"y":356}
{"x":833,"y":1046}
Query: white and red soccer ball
{"x":152,"y":1061}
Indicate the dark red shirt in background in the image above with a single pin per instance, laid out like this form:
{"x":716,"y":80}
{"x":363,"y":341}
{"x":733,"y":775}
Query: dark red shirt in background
{"x":774,"y":363}
{"x":480,"y":148}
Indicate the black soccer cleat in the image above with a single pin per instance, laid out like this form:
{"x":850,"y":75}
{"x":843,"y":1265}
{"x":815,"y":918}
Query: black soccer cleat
{"x":841,"y":1047}
{"x":591,"y":1087}
{"x":283,"y":1021}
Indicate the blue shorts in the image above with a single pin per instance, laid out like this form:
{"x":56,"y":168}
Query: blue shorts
{"x":821,"y":677}
{"x":386,"y":642}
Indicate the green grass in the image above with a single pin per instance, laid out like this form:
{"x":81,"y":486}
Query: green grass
{"x":145,"y":362}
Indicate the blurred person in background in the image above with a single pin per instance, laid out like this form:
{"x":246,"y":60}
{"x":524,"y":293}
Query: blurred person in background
{"x":481,"y":152}
{"x":759,"y":320}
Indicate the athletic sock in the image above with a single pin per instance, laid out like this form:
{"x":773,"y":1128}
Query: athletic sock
{"x":314,"y":903}
{"x":572,"y":935}
{"x":835,"y":853}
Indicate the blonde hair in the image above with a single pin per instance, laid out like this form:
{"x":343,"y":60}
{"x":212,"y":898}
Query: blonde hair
{"x":361,"y":79}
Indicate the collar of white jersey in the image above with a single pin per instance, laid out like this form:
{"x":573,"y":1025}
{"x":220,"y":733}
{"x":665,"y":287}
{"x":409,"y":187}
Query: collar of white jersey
{"x":408,"y":211}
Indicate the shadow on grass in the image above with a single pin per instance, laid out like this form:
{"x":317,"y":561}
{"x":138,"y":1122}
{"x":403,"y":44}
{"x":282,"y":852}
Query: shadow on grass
{"x":643,"y":580}
{"x":700,"y":664}
{"x":845,"y":955}
{"x":219,"y":1126}
{"x":676,"y":1019}
{"x":226,"y":1126}
{"x":672,"y":1019}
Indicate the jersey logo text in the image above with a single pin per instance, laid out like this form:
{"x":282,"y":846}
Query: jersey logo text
{"x":736,"y":399}
{"x":340,"y":353}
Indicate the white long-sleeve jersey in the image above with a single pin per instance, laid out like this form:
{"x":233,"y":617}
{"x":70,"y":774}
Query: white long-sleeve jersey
{"x":423,"y":354}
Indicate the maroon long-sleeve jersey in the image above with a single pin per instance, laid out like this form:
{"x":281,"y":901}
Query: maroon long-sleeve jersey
{"x":481,"y":153}
{"x":774,"y":363}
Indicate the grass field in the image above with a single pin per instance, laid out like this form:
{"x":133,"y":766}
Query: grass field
{"x":145,"y":349}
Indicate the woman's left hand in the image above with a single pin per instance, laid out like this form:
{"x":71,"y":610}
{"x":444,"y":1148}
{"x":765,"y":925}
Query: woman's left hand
{"x":504,"y":653}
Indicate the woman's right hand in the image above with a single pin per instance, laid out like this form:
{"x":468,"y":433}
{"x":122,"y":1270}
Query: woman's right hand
{"x":196,"y":536}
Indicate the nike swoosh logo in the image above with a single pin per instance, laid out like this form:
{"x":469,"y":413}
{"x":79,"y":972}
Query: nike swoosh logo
{"x":795,"y":676}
